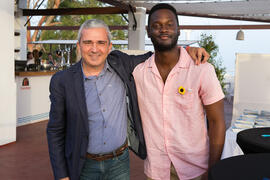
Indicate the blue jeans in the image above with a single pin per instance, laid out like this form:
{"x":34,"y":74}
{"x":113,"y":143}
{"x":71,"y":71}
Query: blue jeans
{"x":112,"y":169}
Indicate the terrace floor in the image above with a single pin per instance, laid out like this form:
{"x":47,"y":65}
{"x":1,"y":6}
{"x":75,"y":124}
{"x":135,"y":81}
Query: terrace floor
{"x":28,"y":158}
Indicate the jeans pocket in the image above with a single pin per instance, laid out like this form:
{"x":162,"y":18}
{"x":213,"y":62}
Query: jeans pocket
{"x":124,"y":157}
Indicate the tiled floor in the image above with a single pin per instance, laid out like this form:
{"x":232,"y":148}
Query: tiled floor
{"x":28,"y":159}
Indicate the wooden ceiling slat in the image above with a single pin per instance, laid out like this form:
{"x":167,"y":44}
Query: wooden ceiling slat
{"x":70,"y":27}
{"x":254,"y":19}
{"x":192,"y":27}
{"x":73,"y":11}
{"x":122,"y":7}
{"x":118,"y":4}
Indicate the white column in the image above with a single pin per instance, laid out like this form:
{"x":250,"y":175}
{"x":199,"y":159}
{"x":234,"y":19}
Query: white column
{"x":7,"y":76}
{"x":136,"y":39}
{"x":187,"y":33}
{"x":20,"y":41}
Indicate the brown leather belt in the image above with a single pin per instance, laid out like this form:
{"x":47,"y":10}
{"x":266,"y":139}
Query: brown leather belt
{"x":102,"y":157}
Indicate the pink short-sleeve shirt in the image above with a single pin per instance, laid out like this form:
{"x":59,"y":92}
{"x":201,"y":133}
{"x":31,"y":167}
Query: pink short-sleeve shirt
{"x":173,"y":123}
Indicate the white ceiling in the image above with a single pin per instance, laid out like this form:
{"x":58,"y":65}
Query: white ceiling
{"x":257,"y":10}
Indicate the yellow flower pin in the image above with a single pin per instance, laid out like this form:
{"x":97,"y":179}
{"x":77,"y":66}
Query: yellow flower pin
{"x":182,"y":90}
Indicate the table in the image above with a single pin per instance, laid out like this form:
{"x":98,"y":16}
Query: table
{"x":230,"y":148}
{"x":243,"y":167}
{"x":251,"y":140}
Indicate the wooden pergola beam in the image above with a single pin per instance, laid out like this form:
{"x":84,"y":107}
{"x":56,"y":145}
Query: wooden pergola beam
{"x":120,"y":9}
{"x":118,"y":4}
{"x":72,"y":28}
{"x":221,"y":17}
{"x":224,"y":27}
{"x":73,"y":11}
{"x":191,"y":27}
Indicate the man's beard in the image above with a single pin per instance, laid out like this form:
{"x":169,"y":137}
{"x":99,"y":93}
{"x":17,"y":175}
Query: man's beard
{"x":165,"y":47}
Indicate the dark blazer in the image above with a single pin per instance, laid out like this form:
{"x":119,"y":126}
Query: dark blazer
{"x":68,"y":130}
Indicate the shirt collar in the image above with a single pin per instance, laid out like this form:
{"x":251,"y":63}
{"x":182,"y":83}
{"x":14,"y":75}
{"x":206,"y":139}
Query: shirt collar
{"x":183,"y":62}
{"x":106,"y":67}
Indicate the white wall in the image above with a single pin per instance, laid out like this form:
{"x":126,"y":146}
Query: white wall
{"x":7,"y":77}
{"x":33,"y":103}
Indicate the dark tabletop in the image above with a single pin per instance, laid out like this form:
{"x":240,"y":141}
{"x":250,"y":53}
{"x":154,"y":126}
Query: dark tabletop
{"x":251,"y":140}
{"x":243,"y":167}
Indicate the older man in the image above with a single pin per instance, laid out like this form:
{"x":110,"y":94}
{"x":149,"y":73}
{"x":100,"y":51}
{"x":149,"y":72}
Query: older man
{"x":94,"y":113}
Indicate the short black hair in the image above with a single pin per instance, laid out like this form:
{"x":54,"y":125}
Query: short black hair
{"x":162,"y":6}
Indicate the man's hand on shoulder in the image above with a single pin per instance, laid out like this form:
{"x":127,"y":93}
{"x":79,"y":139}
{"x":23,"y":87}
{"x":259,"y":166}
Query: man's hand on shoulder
{"x":197,"y":54}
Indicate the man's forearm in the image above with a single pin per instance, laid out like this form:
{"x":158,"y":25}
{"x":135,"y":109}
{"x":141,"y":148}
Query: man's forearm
{"x":216,"y":146}
{"x":215,"y":115}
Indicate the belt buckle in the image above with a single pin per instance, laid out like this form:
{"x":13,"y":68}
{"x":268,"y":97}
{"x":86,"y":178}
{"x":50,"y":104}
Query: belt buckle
{"x":100,"y":155}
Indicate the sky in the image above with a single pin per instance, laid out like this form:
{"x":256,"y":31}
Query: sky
{"x":256,"y":41}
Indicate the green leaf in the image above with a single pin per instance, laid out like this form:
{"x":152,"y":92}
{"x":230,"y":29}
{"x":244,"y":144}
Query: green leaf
{"x":207,"y":42}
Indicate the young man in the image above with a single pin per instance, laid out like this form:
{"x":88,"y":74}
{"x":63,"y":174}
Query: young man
{"x":173,"y":93}
{"x":94,"y":111}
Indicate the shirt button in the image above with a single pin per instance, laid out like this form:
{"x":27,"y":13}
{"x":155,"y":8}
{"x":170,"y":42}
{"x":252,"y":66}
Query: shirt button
{"x":104,"y":142}
{"x":99,"y":94}
{"x":103,"y":110}
{"x":105,"y":126}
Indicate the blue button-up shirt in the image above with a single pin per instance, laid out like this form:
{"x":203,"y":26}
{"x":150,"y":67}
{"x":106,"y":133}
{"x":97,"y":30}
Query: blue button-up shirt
{"x":107,"y":113}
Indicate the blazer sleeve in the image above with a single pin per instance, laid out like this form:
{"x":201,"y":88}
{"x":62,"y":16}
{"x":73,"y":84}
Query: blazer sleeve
{"x":56,"y":127}
{"x":132,"y":60}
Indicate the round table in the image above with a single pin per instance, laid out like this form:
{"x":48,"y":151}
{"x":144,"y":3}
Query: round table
{"x":252,"y":141}
{"x":243,"y":167}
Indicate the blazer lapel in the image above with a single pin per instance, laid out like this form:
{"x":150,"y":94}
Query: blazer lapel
{"x":80,"y":93}
{"x":117,"y":68}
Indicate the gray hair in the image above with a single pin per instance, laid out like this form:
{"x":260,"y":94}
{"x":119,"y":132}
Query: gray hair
{"x":94,"y":23}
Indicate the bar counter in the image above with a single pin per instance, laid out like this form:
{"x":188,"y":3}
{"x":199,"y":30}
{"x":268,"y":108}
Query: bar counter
{"x":33,"y":103}
{"x":34,"y":73}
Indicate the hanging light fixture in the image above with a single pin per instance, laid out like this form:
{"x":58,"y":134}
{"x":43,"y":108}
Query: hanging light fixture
{"x":240,"y":35}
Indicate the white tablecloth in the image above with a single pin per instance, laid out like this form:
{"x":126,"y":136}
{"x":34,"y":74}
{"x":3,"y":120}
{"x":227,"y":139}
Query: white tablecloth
{"x":231,"y":148}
